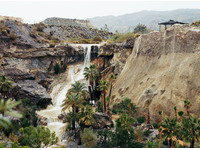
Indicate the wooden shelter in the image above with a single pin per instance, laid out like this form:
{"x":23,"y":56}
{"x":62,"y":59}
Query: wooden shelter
{"x":170,"y":22}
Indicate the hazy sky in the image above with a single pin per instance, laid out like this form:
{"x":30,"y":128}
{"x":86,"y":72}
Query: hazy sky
{"x":35,"y":11}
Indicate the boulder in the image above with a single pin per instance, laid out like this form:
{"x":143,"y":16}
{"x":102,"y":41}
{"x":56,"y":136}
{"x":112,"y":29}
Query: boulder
{"x":32,"y":90}
{"x":101,"y":121}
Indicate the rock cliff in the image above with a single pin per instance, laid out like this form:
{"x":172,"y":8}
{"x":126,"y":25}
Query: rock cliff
{"x":163,"y":67}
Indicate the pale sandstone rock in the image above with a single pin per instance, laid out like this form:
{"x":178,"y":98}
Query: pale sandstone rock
{"x":168,"y":64}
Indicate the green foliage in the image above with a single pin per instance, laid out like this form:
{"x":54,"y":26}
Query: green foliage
{"x":125,"y":106}
{"x":121,"y":138}
{"x":56,"y":68}
{"x":29,"y":116}
{"x":7,"y":108}
{"x":140,"y":28}
{"x":155,"y":125}
{"x":36,"y":137}
{"x":125,"y":121}
{"x":88,"y":138}
{"x":5,"y":85}
{"x":3,"y":145}
{"x":180,"y":113}
{"x":87,"y":116}
{"x":119,"y":38}
{"x":40,"y":27}
{"x":91,"y":74}
{"x":196,"y":23}
{"x":141,"y":120}
{"x":191,"y":128}
{"x":153,"y":144}
{"x":97,"y":39}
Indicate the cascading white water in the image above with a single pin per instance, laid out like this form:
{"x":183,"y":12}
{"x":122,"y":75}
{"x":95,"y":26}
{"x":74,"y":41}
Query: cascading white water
{"x":52,"y":111}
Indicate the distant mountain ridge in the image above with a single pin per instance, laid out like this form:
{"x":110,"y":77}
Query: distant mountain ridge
{"x":127,"y":22}
{"x":67,"y":22}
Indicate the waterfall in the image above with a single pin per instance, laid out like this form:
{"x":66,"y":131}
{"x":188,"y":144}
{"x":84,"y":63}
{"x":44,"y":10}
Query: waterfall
{"x":59,"y":92}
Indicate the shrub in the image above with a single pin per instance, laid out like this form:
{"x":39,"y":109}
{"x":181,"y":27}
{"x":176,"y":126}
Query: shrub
{"x":155,"y":125}
{"x":140,"y":120}
{"x":4,"y":32}
{"x":140,"y":28}
{"x":56,"y":68}
{"x":40,"y":27}
{"x":13,"y":36}
{"x":88,"y":138}
{"x":97,"y":39}
{"x":37,"y":137}
{"x":52,"y":44}
{"x":32,"y":34}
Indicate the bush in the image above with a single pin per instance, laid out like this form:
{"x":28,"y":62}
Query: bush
{"x":88,"y":138}
{"x":155,"y":125}
{"x":140,"y":120}
{"x":40,"y":27}
{"x":97,"y":39}
{"x":56,"y":68}
{"x":13,"y":36}
{"x":52,"y":44}
{"x":119,"y":38}
{"x":37,"y":137}
{"x":140,"y":28}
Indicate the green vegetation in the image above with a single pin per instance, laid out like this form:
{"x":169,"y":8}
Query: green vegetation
{"x":7,"y":108}
{"x":37,"y":137}
{"x":196,"y":23}
{"x":141,"y":28}
{"x":103,"y":87}
{"x":5,"y":85}
{"x":91,"y":74}
{"x":119,"y":38}
{"x":56,"y":68}
{"x":89,"y":138}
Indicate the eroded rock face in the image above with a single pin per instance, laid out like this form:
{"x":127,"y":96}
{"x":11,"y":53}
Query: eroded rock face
{"x":32,"y":90}
{"x":167,"y":64}
{"x":117,"y":54}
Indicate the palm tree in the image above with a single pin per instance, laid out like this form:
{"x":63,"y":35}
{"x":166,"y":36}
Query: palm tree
{"x":5,"y":85}
{"x":72,"y":101}
{"x":87,"y":117}
{"x":125,"y":121}
{"x":175,"y":112}
{"x":187,"y":106}
{"x":191,"y":127}
{"x":80,"y":89}
{"x":171,"y":128}
{"x":148,"y":113}
{"x":159,"y":121}
{"x":91,"y":74}
{"x":180,"y":113}
{"x":103,"y":87}
{"x":6,"y":108}
{"x":112,"y":79}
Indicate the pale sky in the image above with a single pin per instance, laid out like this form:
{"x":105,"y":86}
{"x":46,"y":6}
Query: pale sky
{"x":35,"y":11}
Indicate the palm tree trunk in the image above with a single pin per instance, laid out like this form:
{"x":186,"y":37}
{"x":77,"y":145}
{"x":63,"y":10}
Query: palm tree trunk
{"x":108,"y":105}
{"x":148,"y":119}
{"x":170,"y":143}
{"x":73,"y":121}
{"x":192,"y":142}
{"x":104,"y":98}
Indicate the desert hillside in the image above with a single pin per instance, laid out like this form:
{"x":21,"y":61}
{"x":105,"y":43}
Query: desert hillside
{"x":163,"y":67}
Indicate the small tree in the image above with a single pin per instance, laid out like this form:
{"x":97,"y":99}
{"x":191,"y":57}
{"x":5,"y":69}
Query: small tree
{"x":5,"y":85}
{"x":37,"y":137}
{"x":187,"y":106}
{"x":140,"y":28}
{"x":88,"y":138}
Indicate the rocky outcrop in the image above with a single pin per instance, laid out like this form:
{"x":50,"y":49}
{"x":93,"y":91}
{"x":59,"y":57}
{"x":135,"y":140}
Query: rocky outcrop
{"x":31,"y":90}
{"x":116,"y":54}
{"x":163,"y":67}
